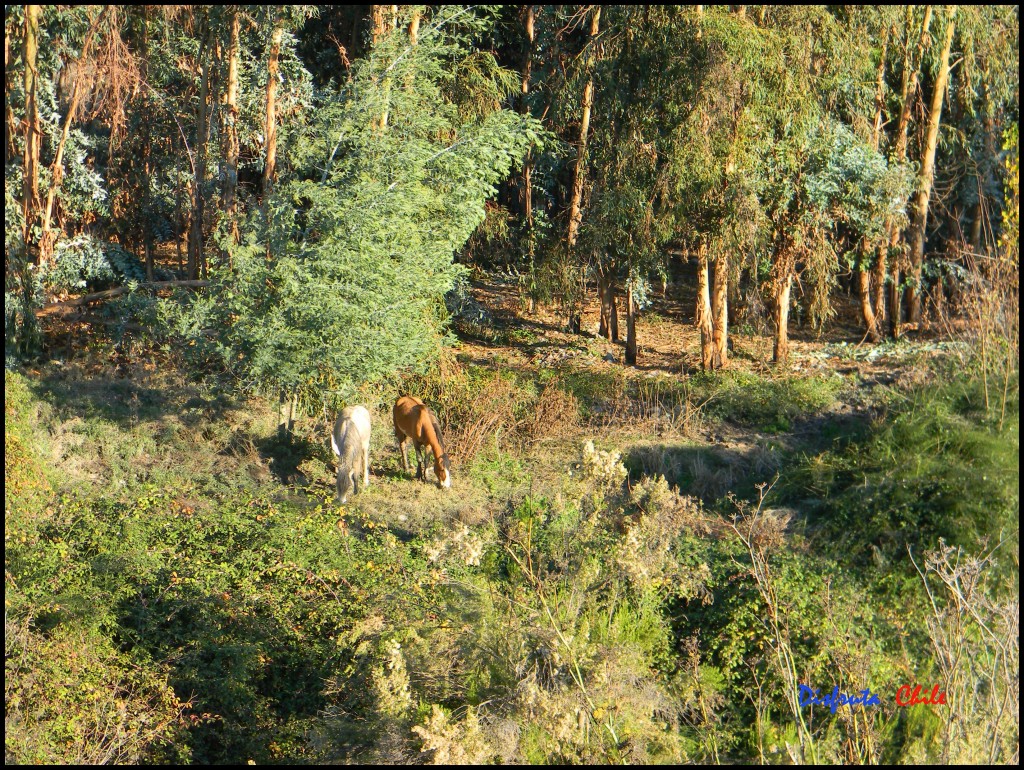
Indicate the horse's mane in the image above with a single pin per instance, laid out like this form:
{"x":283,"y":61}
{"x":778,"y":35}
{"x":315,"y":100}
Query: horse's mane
{"x":437,"y":430}
{"x":348,"y":451}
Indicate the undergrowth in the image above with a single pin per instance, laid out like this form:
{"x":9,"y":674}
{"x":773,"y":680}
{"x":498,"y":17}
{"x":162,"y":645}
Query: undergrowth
{"x":175,"y":594}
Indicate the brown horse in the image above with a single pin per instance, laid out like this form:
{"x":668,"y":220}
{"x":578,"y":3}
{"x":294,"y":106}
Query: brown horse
{"x":415,"y":422}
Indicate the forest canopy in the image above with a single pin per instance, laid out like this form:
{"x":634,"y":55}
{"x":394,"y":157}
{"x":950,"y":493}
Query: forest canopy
{"x":329,"y":171}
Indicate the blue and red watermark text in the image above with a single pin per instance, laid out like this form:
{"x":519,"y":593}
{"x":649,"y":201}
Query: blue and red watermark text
{"x":907,"y":695}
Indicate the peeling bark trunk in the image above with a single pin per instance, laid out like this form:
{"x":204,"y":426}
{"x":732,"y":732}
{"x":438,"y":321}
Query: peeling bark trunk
{"x":524,"y":109}
{"x":48,"y":238}
{"x":908,"y":87}
{"x":231,"y":142}
{"x":196,"y":263}
{"x":630,"y":326}
{"x":270,"y":166}
{"x":720,"y":312}
{"x":579,"y":173}
{"x":33,"y":132}
{"x":703,"y":315}
{"x":927,"y":176}
{"x":575,"y":215}
{"x":864,"y":295}
{"x":780,"y":354}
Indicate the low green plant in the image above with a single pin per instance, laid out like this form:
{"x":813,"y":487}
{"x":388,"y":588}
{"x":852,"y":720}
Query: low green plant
{"x":769,"y":404}
{"x":931,"y":466}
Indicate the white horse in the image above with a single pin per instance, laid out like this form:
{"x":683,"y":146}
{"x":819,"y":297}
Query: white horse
{"x":350,"y":441}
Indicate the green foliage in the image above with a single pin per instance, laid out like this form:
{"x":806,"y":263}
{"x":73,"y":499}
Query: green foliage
{"x":932,"y":466}
{"x":74,"y":698}
{"x":84,"y":262}
{"x":1011,"y":210}
{"x":765,"y":403}
{"x":347,"y":288}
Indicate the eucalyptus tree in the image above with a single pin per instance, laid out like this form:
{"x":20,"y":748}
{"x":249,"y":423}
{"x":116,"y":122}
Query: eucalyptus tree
{"x":792,"y":147}
{"x":863,"y":45}
{"x":713,"y":164}
{"x":982,"y":103}
{"x":69,"y":66}
{"x":912,"y":38}
{"x":926,"y":174}
{"x":637,"y":135}
{"x":81,"y":70}
{"x":580,"y":169}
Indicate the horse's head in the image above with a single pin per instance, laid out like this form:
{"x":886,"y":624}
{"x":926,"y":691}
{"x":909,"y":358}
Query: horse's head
{"x":443,"y":471}
{"x":344,"y":485}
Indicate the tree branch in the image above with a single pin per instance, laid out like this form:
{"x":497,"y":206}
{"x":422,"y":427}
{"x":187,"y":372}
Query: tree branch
{"x":64,"y":308}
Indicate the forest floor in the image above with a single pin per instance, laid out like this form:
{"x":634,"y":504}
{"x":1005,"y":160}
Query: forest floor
{"x":664,"y":415}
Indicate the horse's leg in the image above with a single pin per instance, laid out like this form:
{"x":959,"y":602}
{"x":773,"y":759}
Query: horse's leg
{"x":402,"y":445}
{"x":420,"y":474}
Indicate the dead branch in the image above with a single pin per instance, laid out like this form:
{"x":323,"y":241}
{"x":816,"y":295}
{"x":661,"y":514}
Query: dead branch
{"x":66,"y":307}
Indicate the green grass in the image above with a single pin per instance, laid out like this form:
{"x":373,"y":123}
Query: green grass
{"x":933,"y":465}
{"x":767,"y":404}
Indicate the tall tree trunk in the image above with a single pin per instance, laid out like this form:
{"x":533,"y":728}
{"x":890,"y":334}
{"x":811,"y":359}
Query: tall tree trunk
{"x":702,"y":314}
{"x":878,"y":293}
{"x":10,"y":122}
{"x":990,"y":155}
{"x":780,"y":353}
{"x":872,"y":301}
{"x":864,"y":293}
{"x":926,"y":177}
{"x":47,"y":238}
{"x":147,"y":149}
{"x":529,"y":19}
{"x":232,"y":146}
{"x":414,"y":27}
{"x":720,"y":311}
{"x":270,"y":166}
{"x":630,"y":325}
{"x":385,"y":17}
{"x":603,"y":329}
{"x":579,"y":173}
{"x":33,"y":132}
{"x":609,"y":313}
{"x":613,"y":309}
{"x":908,"y":88}
{"x":196,"y":263}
